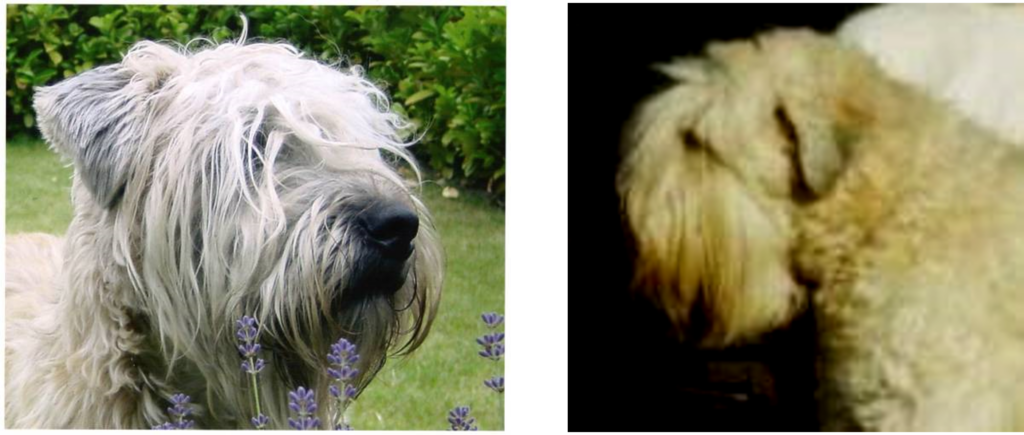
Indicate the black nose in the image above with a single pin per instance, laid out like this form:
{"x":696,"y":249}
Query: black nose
{"x":392,"y":226}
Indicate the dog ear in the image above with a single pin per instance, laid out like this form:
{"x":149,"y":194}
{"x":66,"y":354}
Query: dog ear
{"x":819,"y":153}
{"x":95,"y":119}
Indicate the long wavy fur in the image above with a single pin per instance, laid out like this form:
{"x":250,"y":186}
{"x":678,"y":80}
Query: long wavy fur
{"x":210,"y":184}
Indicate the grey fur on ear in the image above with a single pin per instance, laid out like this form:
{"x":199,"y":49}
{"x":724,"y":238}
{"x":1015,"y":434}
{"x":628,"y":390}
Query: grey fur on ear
{"x":90,"y":118}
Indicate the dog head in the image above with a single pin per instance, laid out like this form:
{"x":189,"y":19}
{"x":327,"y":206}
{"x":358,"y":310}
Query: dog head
{"x":247,"y":179}
{"x":717,"y":167}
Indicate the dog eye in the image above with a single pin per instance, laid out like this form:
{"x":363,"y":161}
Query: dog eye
{"x":694,"y":144}
{"x":690,"y":141}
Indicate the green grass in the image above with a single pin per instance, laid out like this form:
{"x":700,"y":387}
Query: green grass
{"x":38,"y":189}
{"x":415,"y":392}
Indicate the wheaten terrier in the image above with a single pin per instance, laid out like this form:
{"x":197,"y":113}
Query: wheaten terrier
{"x":211,"y":184}
{"x":790,"y":172}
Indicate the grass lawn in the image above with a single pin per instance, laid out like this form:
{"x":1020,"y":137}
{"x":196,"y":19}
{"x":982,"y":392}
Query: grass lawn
{"x":409,"y":393}
{"x":38,"y":189}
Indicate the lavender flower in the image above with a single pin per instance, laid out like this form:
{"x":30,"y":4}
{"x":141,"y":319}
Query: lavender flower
{"x":343,"y":356}
{"x":496,"y":383}
{"x":342,"y":359}
{"x":303,"y":403}
{"x":260,"y":421}
{"x":493,"y":345}
{"x":180,"y":409}
{"x":491,"y":339}
{"x":247,"y":331}
{"x":248,"y":349}
{"x":460,"y":420}
{"x":494,"y":349}
{"x":350,"y":392}
{"x":492,"y":319}
{"x":252,"y":369}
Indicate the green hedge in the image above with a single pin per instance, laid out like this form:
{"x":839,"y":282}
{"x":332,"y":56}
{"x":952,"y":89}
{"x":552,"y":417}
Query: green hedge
{"x":443,"y":66}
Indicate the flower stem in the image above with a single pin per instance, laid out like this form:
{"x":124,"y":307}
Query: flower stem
{"x":501,"y":411}
{"x":255,"y":388}
{"x":339,"y":412}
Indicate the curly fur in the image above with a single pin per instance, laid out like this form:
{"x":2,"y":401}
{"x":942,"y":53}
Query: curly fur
{"x":789,"y":172}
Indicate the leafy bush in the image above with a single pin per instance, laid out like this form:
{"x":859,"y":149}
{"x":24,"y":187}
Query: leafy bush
{"x":443,"y":66}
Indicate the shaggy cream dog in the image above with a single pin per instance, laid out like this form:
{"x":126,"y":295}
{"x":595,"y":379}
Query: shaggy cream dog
{"x":789,"y":172}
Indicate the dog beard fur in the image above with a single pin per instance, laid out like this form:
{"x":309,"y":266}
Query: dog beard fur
{"x":210,"y":186}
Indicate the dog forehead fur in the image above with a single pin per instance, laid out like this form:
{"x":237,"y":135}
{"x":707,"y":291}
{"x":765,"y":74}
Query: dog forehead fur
{"x":793,"y":159}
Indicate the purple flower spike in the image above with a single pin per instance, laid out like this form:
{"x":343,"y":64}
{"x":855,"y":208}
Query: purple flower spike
{"x":248,"y":348}
{"x":493,"y":345}
{"x":343,"y":353}
{"x":342,"y":359}
{"x":260,"y":421}
{"x":492,"y":319}
{"x":254,"y":368}
{"x":496,"y":383}
{"x":178,"y":411}
{"x":302,"y":400}
{"x":303,"y":403}
{"x":343,"y":374}
{"x":304,"y":424}
{"x":246,"y":329}
{"x":460,"y":420}
{"x":491,"y":339}
{"x":181,"y":405}
{"x":493,"y":352}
